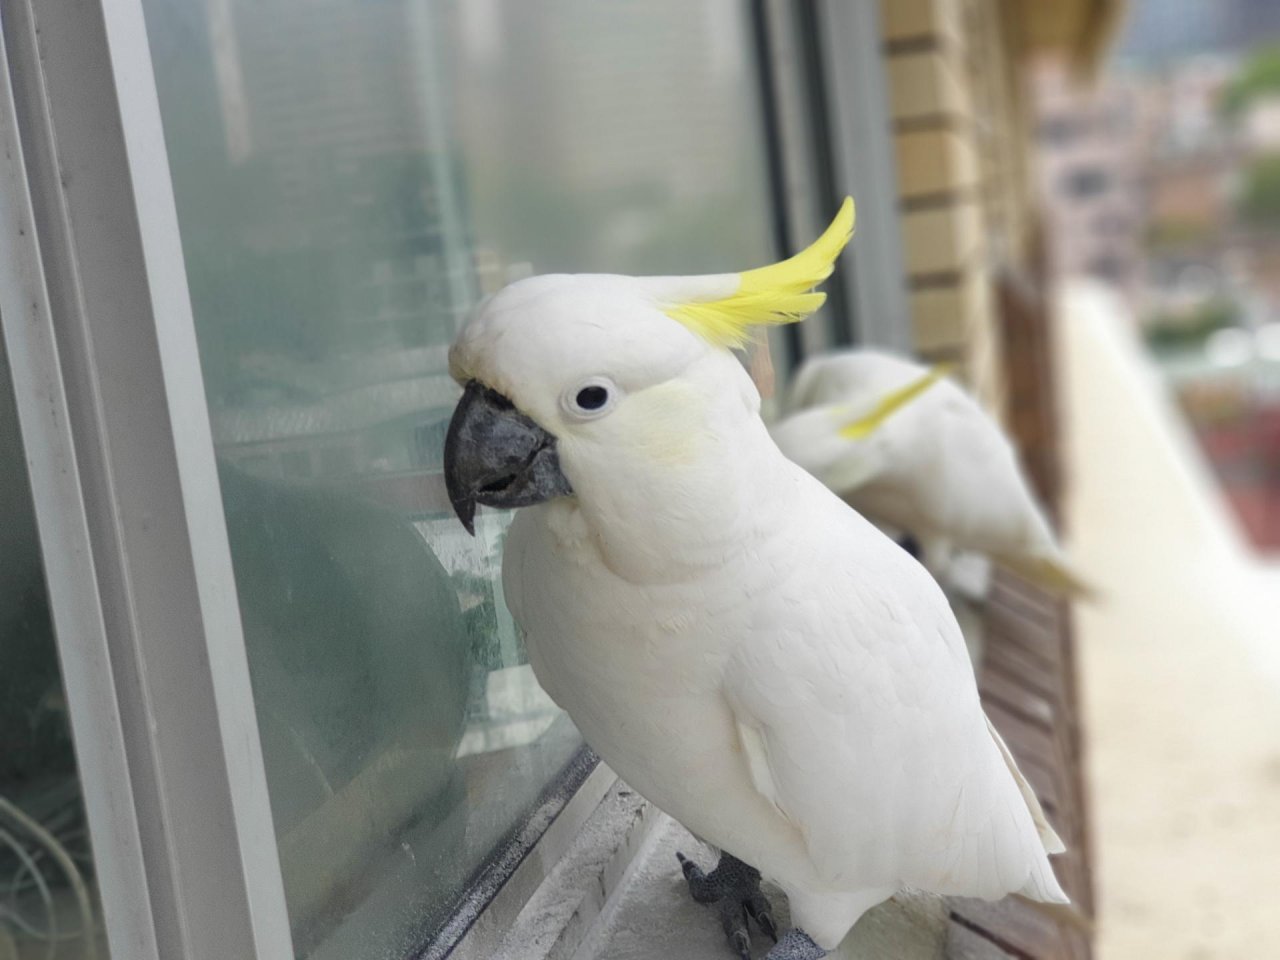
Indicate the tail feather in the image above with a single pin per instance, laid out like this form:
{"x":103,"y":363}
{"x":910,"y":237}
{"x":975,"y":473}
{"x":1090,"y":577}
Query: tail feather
{"x":1048,"y":836}
{"x":1052,"y":573}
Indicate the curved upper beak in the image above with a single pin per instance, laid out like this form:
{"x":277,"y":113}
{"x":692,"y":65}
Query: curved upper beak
{"x":495,"y":455}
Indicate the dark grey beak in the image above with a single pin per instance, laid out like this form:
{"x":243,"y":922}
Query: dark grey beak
{"x":495,"y":455}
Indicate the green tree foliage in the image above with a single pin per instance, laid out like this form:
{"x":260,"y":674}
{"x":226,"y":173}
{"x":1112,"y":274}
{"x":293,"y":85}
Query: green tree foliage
{"x":1183,"y":330}
{"x":1260,"y":76}
{"x":1259,"y":201}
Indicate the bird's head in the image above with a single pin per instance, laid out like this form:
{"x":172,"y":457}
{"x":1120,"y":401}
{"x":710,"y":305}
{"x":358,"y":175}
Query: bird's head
{"x":563,"y":373}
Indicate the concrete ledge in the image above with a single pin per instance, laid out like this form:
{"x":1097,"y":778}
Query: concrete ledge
{"x":653,"y":915}
{"x":619,"y":894}
{"x":569,"y":902}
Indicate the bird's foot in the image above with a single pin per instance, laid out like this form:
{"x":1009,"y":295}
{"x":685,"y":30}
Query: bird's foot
{"x":734,"y":888}
{"x":796,"y":945}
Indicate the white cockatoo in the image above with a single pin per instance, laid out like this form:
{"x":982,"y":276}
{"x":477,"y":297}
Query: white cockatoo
{"x":906,"y":446}
{"x":739,"y":645}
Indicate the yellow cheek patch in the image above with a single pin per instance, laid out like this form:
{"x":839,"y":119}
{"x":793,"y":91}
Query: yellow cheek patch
{"x":664,"y":423}
{"x":891,"y":403}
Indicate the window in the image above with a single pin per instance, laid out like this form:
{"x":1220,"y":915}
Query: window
{"x":1112,"y":224}
{"x":1085,"y":182}
{"x":1060,"y":130}
{"x":350,"y":177}
{"x":1109,"y":266}
{"x":46,"y":867}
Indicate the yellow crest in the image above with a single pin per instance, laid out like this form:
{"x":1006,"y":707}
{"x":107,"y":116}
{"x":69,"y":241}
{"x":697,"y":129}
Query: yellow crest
{"x":889,"y":404}
{"x":779,"y":293}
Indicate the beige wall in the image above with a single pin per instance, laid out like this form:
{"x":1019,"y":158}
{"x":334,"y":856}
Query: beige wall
{"x":963,"y":185}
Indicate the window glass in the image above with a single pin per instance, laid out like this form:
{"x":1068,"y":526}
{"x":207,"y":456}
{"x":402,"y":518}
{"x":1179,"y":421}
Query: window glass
{"x":48,"y":894}
{"x":351,"y":176}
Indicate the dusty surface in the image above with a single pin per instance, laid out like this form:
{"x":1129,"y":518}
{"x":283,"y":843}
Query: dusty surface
{"x":1180,"y":669}
{"x":654,"y":916}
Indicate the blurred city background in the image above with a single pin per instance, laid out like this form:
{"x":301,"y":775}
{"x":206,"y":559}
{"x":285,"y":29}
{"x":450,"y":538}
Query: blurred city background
{"x":1162,"y":178}
{"x":1161,"y":181}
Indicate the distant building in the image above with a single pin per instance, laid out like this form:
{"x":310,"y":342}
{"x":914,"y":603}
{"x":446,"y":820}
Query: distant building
{"x":1091,"y":147}
{"x":1141,"y":177}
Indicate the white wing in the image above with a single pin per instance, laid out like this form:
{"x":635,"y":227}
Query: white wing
{"x":860,"y":720}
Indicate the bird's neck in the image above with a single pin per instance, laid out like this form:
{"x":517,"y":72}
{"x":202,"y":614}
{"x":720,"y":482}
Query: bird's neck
{"x":674,"y":508}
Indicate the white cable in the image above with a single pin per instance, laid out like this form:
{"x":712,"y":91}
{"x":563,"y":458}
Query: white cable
{"x":50,"y":915}
{"x":68,"y":867}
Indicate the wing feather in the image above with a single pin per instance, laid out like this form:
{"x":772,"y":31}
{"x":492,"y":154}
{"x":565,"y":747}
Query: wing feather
{"x":863,"y":727}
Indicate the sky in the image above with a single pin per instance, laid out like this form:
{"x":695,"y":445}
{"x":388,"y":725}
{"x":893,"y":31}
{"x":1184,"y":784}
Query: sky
{"x":1157,"y":30}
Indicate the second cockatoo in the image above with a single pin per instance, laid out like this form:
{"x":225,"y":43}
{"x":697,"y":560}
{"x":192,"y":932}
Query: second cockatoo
{"x":740,"y":646}
{"x":906,"y":446}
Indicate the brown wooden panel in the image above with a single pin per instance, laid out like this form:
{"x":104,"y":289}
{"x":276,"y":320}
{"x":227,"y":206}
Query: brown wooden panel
{"x":1021,"y":929}
{"x":1028,"y":685}
{"x":1015,"y":698}
{"x":965,"y":943}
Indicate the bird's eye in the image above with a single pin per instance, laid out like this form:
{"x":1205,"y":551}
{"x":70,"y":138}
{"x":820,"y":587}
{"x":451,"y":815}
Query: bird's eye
{"x":592,"y":399}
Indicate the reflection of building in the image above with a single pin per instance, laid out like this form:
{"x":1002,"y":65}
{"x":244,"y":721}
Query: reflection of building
{"x":334,"y":217}
{"x":531,"y":125}
{"x":526,"y":93}
{"x":335,"y":434}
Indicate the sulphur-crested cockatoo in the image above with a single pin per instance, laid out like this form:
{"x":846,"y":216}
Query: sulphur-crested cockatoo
{"x":737,"y":643}
{"x":906,"y":446}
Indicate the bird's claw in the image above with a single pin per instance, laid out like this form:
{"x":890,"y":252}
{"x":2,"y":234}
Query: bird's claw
{"x":758,"y":909}
{"x":735,"y":888}
{"x":687,"y":866}
{"x":703,"y":888}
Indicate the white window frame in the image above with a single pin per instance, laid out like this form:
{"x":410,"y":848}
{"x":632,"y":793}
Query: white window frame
{"x":98,"y":327}
{"x":97,"y":323}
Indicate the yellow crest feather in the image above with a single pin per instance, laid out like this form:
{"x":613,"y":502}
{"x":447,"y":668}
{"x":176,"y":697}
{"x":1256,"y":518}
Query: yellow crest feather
{"x":779,"y":293}
{"x":891,"y":403}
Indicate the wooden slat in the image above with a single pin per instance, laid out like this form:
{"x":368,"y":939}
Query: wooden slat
{"x":1027,"y":683}
{"x":1021,"y":929}
{"x":964,"y":943}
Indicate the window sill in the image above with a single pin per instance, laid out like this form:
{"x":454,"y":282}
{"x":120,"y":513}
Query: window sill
{"x":618,"y":893}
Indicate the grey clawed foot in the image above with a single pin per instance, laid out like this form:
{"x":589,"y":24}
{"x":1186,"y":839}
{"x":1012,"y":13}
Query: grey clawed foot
{"x":733,"y":921}
{"x":796,"y":945}
{"x":701,"y":887}
{"x":734,"y":887}
{"x":761,"y":911}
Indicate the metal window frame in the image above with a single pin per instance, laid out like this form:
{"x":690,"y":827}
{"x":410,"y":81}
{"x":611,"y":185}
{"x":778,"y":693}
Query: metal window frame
{"x":798,"y":129}
{"x":864,"y":164}
{"x":97,"y":322}
{"x":828,"y":91}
